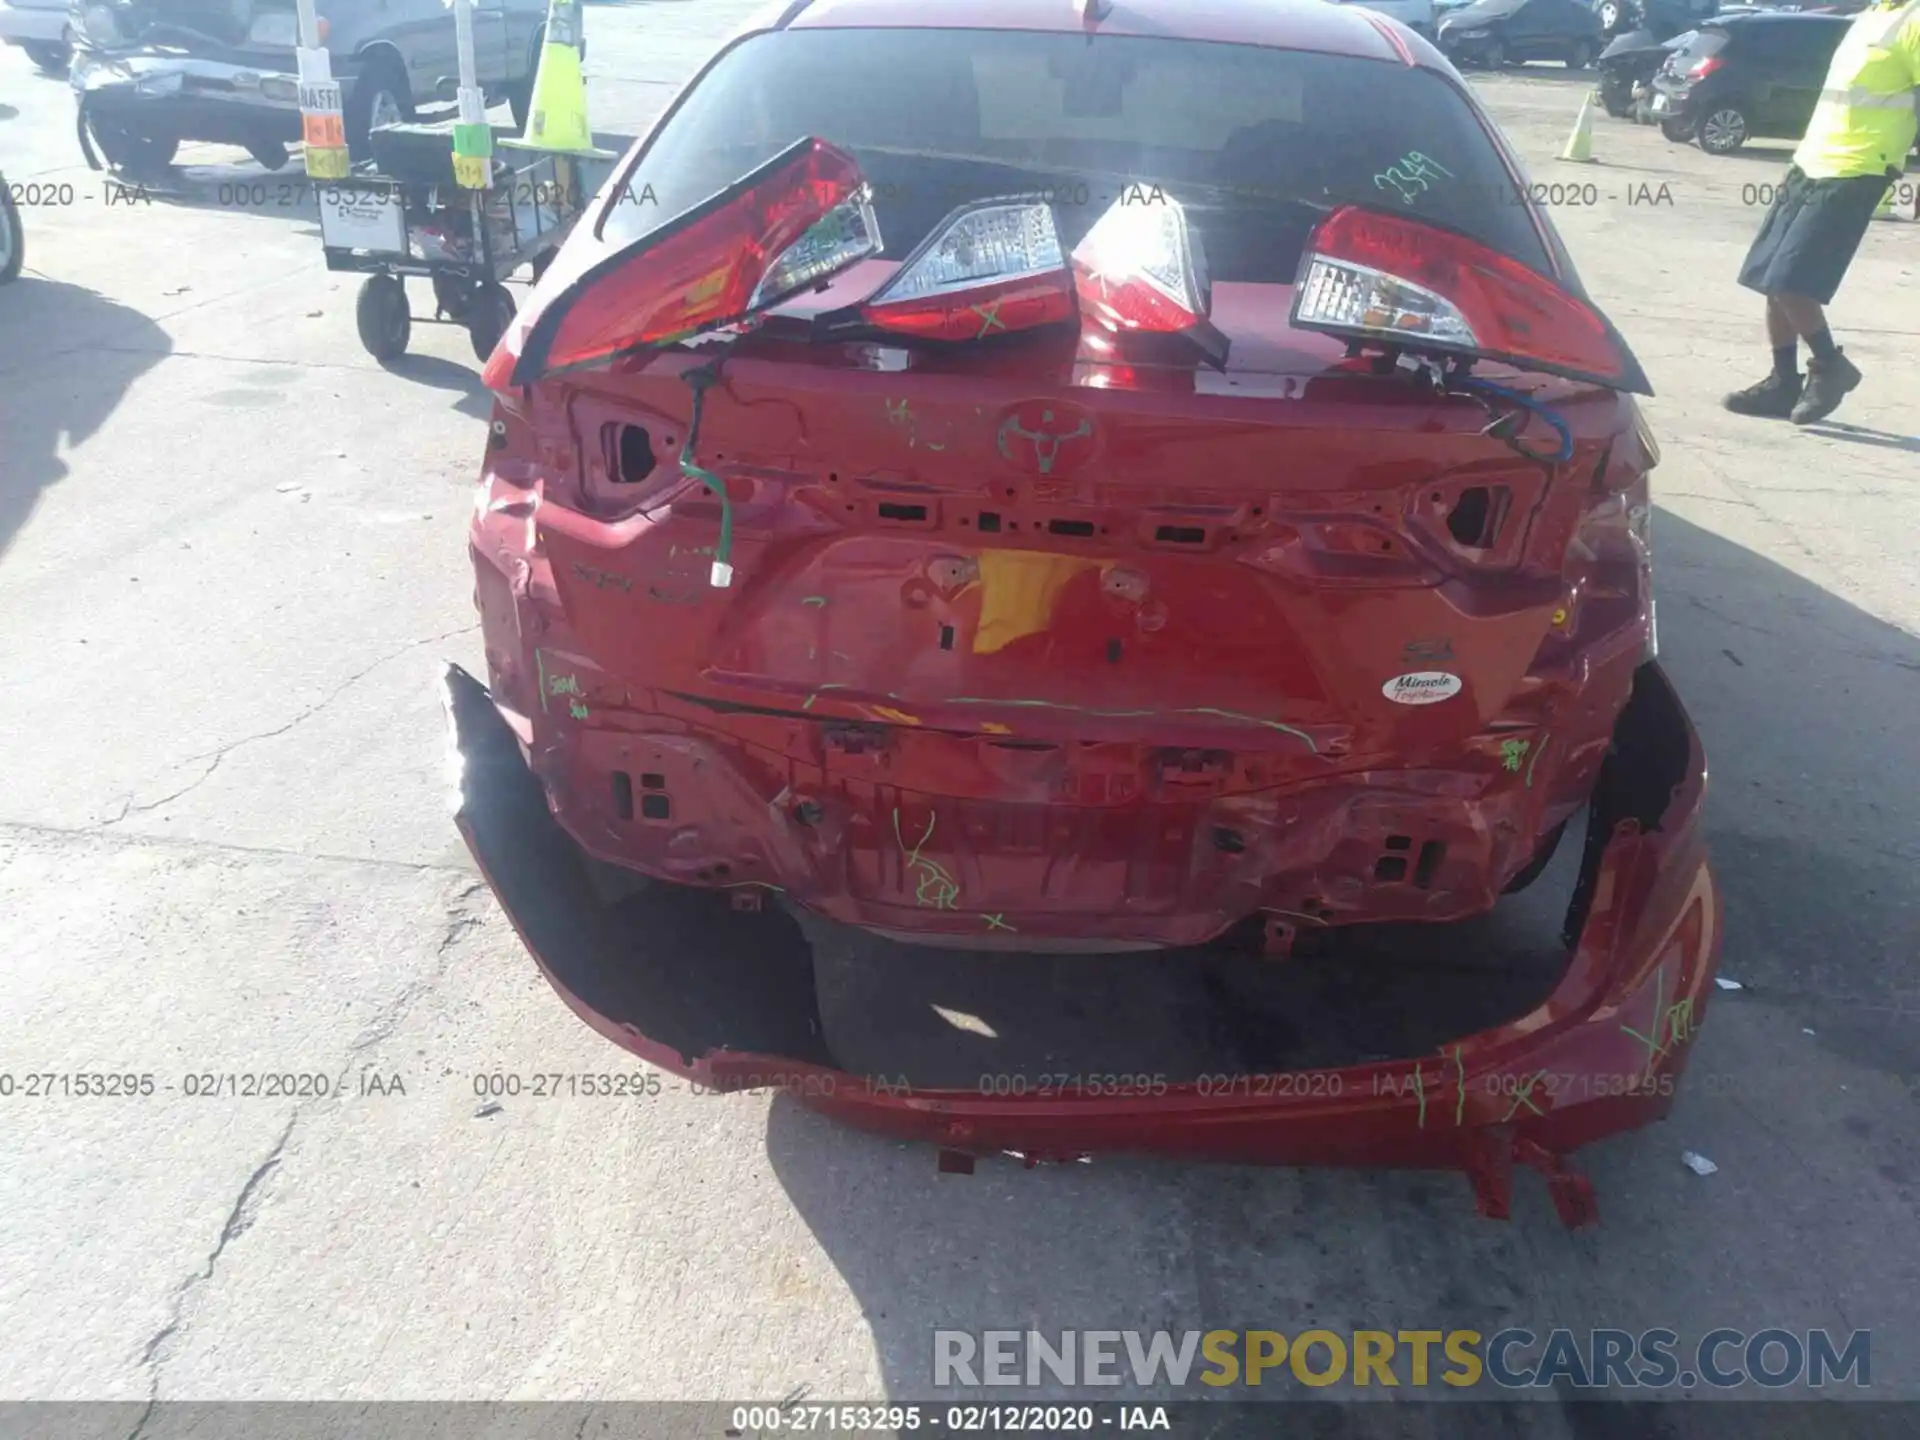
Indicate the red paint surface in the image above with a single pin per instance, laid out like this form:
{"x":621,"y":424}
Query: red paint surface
{"x":1292,"y":24}
{"x":1062,"y":644}
{"x":1602,"y":1054}
{"x":1146,"y":706}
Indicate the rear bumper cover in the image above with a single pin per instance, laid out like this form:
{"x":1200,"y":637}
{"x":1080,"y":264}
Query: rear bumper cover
{"x":1601,"y":1055}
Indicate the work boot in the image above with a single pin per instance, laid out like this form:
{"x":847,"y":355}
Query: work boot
{"x":1827,"y":385}
{"x":1773,"y":398}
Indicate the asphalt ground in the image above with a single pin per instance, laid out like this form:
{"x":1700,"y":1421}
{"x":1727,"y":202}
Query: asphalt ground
{"x":231,"y":559}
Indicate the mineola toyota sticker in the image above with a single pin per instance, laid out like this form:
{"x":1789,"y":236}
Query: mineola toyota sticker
{"x":1422,"y":687}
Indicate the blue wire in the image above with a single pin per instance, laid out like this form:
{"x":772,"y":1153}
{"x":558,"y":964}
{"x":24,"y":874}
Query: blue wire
{"x":1530,"y":405}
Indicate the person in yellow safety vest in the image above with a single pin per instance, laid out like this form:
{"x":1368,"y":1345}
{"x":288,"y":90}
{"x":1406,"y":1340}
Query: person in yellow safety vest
{"x":1855,"y":146}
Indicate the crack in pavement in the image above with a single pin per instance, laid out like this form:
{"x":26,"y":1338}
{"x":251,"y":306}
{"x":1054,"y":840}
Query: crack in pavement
{"x":459,"y":922}
{"x":220,"y":753}
{"x":247,"y":1204}
{"x":239,"y":1220}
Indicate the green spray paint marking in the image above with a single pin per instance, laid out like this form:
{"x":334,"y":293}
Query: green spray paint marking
{"x":814,"y":600}
{"x":1672,"y":1024}
{"x":934,"y":887}
{"x":540,"y":669}
{"x":997,"y":922}
{"x":1524,"y":1095}
{"x":808,"y":705}
{"x":1512,"y":752}
{"x":1536,"y":760}
{"x":577,"y":710}
{"x":1460,"y":1082}
{"x":1659,"y":1010}
{"x":1420,"y":1090}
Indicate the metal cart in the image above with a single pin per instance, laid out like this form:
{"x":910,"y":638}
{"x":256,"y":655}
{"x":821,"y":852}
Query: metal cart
{"x":402,"y":215}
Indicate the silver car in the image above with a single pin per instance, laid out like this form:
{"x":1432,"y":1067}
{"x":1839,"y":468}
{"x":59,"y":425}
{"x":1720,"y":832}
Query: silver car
{"x":38,"y":27}
{"x":151,"y":73}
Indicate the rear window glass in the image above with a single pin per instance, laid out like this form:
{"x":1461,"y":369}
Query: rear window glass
{"x":1809,"y":39}
{"x":1700,"y":46}
{"x":1254,"y":142}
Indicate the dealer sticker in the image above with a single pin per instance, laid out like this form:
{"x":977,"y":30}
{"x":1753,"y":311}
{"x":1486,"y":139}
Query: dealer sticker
{"x":1423,"y":687}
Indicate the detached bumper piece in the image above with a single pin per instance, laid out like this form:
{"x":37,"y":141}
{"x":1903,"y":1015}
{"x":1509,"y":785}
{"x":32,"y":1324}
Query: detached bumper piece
{"x":687,"y":981}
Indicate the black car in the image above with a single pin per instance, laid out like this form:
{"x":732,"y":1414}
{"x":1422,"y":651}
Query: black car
{"x":1499,"y":32}
{"x":1744,"y":77}
{"x":1665,"y":18}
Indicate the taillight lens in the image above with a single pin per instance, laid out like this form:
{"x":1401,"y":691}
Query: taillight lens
{"x":1374,"y":276}
{"x":1141,"y":268}
{"x":497,"y":373}
{"x":798,"y":220}
{"x":991,"y":268}
{"x":1700,"y":69}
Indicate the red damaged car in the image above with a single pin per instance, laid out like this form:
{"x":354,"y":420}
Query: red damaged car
{"x":1065,"y":476}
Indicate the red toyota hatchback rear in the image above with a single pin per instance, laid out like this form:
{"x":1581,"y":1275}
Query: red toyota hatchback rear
{"x":1013,"y":476}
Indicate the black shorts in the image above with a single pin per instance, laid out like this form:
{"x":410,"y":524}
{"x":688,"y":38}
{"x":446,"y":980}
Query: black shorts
{"x":1809,"y":236}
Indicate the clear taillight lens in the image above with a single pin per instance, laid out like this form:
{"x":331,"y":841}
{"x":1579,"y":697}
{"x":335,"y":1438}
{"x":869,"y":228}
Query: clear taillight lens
{"x":1374,"y":276}
{"x":1141,"y":268}
{"x":1336,"y":294}
{"x":847,"y":233}
{"x":990,"y":268}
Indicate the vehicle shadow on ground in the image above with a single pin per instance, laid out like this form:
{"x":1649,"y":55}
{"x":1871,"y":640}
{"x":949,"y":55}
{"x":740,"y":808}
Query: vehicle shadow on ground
{"x":432,"y":371}
{"x":1804,"y":703}
{"x":42,"y":411}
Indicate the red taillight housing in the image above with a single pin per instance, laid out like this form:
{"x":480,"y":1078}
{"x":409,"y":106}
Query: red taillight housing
{"x":798,"y":220}
{"x":991,"y":268}
{"x":1700,"y":69}
{"x":1142,"y":269}
{"x":497,"y":373}
{"x":1367,"y":275}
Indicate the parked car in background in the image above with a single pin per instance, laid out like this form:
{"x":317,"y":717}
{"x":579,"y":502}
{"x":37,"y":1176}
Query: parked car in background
{"x":1665,"y":18}
{"x":149,"y":74}
{"x":1416,"y":15}
{"x":38,"y":27}
{"x":1627,"y":67}
{"x":1494,"y":33}
{"x":1746,"y":77}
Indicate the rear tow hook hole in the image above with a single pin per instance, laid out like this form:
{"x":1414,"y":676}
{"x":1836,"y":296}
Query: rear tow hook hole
{"x":633,"y":457}
{"x":1228,"y":842}
{"x":946,"y":637}
{"x":656,"y":807}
